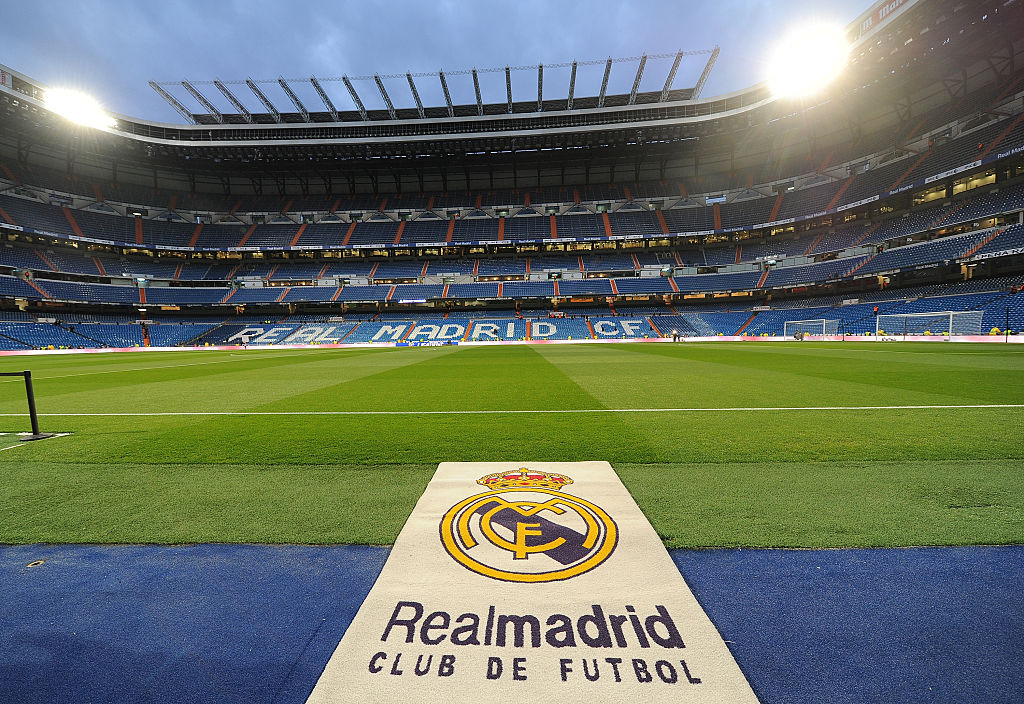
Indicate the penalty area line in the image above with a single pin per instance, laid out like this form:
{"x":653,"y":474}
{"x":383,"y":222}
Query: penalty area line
{"x":733,"y":409}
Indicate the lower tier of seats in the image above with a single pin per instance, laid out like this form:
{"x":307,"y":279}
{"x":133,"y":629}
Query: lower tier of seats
{"x":970,"y":307}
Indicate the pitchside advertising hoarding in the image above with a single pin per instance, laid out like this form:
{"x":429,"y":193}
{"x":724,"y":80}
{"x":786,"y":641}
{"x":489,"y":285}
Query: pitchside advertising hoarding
{"x":530,"y":582}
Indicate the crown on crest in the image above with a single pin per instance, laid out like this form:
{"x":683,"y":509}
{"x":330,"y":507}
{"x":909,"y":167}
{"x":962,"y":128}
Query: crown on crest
{"x":524,"y":478}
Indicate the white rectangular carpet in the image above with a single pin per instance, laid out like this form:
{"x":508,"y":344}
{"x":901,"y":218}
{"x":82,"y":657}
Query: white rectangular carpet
{"x":539,"y":581}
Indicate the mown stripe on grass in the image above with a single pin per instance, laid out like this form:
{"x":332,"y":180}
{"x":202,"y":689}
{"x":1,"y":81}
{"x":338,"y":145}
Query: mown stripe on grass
{"x":133,"y":370}
{"x":869,"y":378}
{"x":499,"y":411}
{"x":242,"y":384}
{"x":437,"y":378}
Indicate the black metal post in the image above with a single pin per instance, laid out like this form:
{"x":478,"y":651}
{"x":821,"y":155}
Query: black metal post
{"x":31,"y":403}
{"x":36,"y":435}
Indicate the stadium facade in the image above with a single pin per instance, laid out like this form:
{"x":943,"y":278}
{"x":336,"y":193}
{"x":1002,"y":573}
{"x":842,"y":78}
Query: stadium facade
{"x":899,"y":189}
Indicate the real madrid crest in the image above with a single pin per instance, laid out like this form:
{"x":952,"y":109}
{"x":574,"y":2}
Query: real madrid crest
{"x":525,"y":528}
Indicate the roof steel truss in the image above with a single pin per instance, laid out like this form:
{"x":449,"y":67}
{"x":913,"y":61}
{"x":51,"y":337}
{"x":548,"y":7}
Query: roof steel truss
{"x":393,"y":112}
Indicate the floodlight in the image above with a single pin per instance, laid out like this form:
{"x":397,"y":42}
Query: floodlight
{"x":77,"y":107}
{"x":807,"y":59}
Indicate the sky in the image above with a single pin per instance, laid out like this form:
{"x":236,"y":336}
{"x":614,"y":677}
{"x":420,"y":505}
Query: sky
{"x":113,"y":48}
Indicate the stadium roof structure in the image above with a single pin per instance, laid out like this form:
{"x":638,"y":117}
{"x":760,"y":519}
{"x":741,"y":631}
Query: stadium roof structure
{"x":908,"y":58}
{"x":559,"y":97}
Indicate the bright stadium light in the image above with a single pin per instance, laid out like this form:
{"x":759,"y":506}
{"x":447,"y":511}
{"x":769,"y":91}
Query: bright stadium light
{"x":77,"y":107}
{"x":807,"y":59}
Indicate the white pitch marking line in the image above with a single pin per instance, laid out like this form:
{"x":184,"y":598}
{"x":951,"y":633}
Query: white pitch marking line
{"x":23,"y":444}
{"x":531,"y":411}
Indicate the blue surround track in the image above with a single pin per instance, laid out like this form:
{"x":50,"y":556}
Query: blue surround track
{"x":242,"y":623}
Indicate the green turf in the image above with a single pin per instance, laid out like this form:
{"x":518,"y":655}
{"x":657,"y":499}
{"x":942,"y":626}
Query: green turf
{"x":798,"y":478}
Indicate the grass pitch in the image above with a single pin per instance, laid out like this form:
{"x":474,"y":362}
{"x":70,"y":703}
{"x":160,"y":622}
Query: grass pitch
{"x":784,"y":478}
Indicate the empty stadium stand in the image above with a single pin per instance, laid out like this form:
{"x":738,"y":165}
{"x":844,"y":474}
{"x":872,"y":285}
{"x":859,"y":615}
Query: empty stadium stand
{"x":712,"y":218}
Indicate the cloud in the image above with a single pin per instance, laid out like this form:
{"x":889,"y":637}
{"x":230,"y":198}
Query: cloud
{"x":114,"y":47}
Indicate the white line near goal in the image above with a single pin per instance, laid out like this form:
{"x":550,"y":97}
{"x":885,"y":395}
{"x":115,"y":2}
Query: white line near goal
{"x":537,"y":411}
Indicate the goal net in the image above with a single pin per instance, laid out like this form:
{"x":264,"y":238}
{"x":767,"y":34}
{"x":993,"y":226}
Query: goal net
{"x":967,"y":322}
{"x":810,"y":327}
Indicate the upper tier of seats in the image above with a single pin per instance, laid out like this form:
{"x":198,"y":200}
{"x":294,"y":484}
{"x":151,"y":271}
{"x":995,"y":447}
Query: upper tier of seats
{"x":971,"y":208}
{"x":528,"y":216}
{"x":154,"y":233}
{"x":984,"y":242}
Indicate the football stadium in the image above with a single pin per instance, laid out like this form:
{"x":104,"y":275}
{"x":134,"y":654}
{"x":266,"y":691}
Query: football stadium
{"x":567,"y":382}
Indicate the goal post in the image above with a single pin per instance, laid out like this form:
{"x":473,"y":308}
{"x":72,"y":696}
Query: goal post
{"x":943,"y":323}
{"x":810,"y":327}
{"x":31,"y":396}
